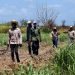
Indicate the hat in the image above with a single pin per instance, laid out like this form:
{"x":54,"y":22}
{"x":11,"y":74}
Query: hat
{"x":34,"y":22}
{"x":28,"y":22}
{"x":14,"y":21}
{"x":54,"y":28}
{"x":71,"y":26}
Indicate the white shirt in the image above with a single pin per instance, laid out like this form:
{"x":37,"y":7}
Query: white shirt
{"x":54,"y":34}
{"x":15,"y":36}
{"x":71,"y":34}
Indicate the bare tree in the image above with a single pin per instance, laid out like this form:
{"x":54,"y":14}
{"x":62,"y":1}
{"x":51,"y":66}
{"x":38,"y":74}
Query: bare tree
{"x":63,"y":23}
{"x":46,"y":16}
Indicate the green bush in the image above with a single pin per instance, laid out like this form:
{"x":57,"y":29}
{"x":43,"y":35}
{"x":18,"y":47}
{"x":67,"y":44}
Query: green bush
{"x":63,"y":37}
{"x":3,"y":39}
{"x":45,"y":29}
{"x":23,"y":29}
{"x":24,"y":37}
{"x":46,"y":38}
{"x":4,"y":29}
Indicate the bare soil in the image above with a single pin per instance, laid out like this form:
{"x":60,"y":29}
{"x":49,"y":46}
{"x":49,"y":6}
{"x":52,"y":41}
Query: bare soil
{"x":46,"y":54}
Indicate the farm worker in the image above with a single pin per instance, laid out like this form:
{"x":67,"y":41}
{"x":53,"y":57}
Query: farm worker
{"x":29,"y":36}
{"x":36,"y":38}
{"x":15,"y":40}
{"x":54,"y":37}
{"x":71,"y":34}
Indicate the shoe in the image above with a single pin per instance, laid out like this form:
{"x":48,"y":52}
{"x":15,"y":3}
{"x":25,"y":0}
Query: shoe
{"x":18,"y":61}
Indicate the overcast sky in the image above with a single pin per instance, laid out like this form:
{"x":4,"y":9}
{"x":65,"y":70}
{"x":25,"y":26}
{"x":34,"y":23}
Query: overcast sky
{"x":26,"y":9}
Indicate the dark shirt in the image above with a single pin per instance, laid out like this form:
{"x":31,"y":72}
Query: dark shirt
{"x":29,"y":31}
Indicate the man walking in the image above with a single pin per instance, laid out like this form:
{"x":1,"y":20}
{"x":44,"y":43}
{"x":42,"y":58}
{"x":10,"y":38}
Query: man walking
{"x":29,"y":36}
{"x":55,"y":37}
{"x":15,"y":40}
{"x":71,"y":34}
{"x":36,"y":37}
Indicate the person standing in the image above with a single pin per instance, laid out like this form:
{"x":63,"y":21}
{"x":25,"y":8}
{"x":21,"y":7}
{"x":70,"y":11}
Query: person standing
{"x":29,"y":36}
{"x":36,"y":38}
{"x":71,"y":34}
{"x":55,"y":37}
{"x":15,"y":40}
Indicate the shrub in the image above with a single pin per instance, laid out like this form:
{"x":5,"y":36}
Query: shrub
{"x":24,"y":37}
{"x":63,"y":37}
{"x":45,"y":37}
{"x":45,"y":29}
{"x":3,"y":39}
{"x":23,"y":29}
{"x":4,"y":29}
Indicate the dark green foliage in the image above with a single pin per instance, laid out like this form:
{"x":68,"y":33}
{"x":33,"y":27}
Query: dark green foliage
{"x":45,"y":29}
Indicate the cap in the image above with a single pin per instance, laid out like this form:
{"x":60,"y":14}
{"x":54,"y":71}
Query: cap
{"x":54,"y":28}
{"x":34,"y":22}
{"x":28,"y":22}
{"x":14,"y":21}
{"x":70,"y":26}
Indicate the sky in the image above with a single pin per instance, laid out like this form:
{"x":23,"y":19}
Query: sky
{"x":26,"y":9}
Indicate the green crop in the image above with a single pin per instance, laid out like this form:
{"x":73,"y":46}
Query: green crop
{"x":65,"y":60}
{"x":3,"y":39}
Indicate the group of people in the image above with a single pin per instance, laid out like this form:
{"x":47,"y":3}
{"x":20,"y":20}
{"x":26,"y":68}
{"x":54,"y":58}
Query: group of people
{"x":15,"y":39}
{"x":33,"y":38}
{"x":55,"y":34}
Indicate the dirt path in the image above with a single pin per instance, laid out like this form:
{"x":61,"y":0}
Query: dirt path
{"x":45,"y":54}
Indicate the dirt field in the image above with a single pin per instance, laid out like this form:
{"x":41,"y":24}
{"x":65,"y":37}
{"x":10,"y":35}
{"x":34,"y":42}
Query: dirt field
{"x":45,"y":53}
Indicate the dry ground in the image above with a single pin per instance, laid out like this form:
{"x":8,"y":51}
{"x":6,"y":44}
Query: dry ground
{"x":46,"y":53}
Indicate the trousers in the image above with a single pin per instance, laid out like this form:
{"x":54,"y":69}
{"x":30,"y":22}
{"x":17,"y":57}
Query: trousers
{"x":14,"y":51}
{"x":55,"y":42}
{"x":35,"y":47}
